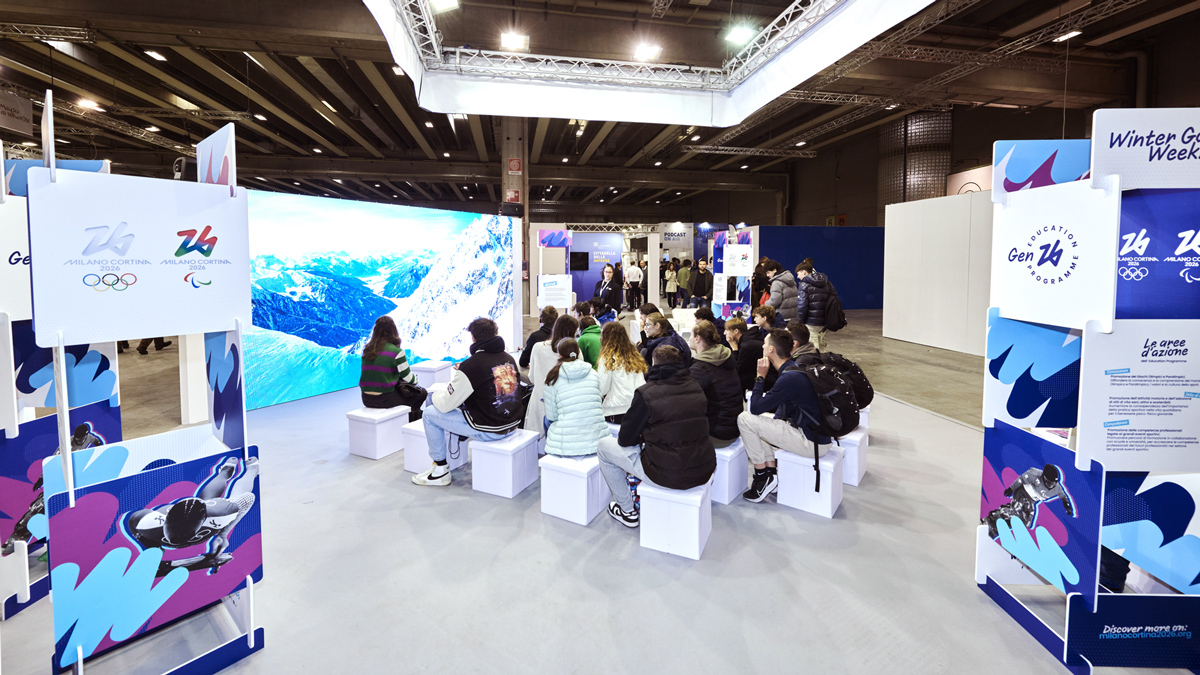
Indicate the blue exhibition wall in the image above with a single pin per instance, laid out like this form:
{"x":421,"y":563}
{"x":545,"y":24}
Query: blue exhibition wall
{"x":851,"y":256}
{"x":322,"y":270}
{"x":601,"y":247}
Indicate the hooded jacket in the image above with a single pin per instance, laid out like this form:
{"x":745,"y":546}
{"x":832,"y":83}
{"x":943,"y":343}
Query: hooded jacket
{"x":486,"y":388}
{"x":573,"y":408}
{"x":617,"y":387}
{"x":589,"y":344}
{"x":667,"y":418}
{"x":815,"y":291}
{"x":669,"y":337}
{"x":540,"y":335}
{"x":749,"y":351}
{"x":784,"y":296}
{"x":715,"y":370}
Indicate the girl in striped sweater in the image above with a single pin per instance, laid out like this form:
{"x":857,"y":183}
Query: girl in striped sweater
{"x":384,"y":367}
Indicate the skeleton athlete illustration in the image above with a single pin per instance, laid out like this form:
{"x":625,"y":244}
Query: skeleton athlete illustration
{"x":1027,"y":491}
{"x":84,"y":437}
{"x":219,"y":504}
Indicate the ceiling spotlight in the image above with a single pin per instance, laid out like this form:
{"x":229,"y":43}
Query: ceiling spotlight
{"x":445,"y":154}
{"x":695,"y":138}
{"x":601,"y":201}
{"x":179,"y":147}
{"x":658,"y":164}
{"x":260,"y":118}
{"x":801,"y":144}
{"x":440,"y":6}
{"x":338,"y":181}
{"x":745,"y":166}
{"x":61,"y":140}
{"x":153,"y":129}
{"x":29,"y":144}
{"x":514,"y":42}
{"x":1068,"y":36}
{"x":377,"y":185}
{"x":395,"y":197}
{"x":155,"y":55}
{"x":739,"y":35}
{"x":470,"y":196}
{"x":429,"y":125}
{"x":678,"y":193}
{"x":261,"y":178}
{"x":317,"y":150}
{"x":647,"y":52}
{"x":564,"y":160}
{"x":397,"y":70}
{"x":88,"y":103}
{"x":891,"y":107}
{"x":579,"y":133}
{"x":194,"y":145}
{"x":295,"y":183}
{"x":657,"y":201}
{"x":326,"y":103}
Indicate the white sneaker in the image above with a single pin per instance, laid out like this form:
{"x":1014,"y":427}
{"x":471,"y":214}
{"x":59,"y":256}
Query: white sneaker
{"x":427,"y":479}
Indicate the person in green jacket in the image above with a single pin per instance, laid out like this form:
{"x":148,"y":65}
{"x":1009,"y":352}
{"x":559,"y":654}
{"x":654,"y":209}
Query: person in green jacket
{"x":589,"y":340}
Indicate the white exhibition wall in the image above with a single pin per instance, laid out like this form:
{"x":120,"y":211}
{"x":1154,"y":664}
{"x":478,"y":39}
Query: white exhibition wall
{"x":937,"y":268}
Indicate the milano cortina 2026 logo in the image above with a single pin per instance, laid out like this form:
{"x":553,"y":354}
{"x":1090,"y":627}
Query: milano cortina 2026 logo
{"x":204,"y":244}
{"x":1050,"y":254}
{"x":106,"y":260}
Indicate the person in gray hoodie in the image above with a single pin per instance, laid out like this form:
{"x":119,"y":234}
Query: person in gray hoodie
{"x":784,"y":293}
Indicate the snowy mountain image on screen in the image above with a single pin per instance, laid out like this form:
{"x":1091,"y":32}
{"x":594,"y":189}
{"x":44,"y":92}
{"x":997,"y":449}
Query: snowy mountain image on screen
{"x":313,"y":310}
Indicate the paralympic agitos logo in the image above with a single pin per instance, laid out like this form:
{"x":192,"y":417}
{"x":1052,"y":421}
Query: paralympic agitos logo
{"x":1046,"y":254}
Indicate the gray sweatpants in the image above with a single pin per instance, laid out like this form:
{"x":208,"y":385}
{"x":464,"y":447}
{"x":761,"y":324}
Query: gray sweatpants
{"x":616,"y":461}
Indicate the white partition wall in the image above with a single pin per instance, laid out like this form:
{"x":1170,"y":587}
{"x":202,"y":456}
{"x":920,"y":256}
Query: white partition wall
{"x":936,"y":271}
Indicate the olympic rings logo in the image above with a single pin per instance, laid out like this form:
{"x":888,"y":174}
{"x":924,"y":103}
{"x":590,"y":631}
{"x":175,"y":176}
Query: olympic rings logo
{"x":1133,"y":273}
{"x":103,"y":283}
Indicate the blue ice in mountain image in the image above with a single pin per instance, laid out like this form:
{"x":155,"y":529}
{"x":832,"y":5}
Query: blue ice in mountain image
{"x":316,"y":293}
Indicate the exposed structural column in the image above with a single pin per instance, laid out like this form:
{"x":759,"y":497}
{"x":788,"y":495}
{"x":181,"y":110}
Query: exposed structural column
{"x":514,"y":179}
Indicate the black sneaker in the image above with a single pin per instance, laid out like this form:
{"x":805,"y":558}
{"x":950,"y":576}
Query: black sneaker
{"x":626,"y":519}
{"x":764,"y":484}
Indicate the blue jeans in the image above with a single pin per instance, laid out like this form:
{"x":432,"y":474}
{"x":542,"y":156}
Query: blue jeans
{"x":440,"y":425}
{"x":698,"y":301}
{"x":615,"y":462}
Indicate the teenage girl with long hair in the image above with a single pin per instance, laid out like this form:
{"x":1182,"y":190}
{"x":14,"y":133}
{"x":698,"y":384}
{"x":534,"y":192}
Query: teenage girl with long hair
{"x":541,"y":360}
{"x":384,"y":368}
{"x":572,"y":400}
{"x":621,"y":370}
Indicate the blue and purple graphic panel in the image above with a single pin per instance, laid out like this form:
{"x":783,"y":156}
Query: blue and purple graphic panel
{"x":141,"y":551}
{"x":1031,"y":378}
{"x":1154,"y":521}
{"x":1041,"y":509}
{"x":1158,"y":268}
{"x":602,"y":248}
{"x":1025,"y":165}
{"x":554,"y":238}
{"x":91,"y":371}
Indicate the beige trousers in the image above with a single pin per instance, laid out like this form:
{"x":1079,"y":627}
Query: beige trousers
{"x":763,"y":435}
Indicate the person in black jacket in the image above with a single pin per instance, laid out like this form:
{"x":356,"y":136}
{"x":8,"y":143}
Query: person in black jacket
{"x":659,"y":332}
{"x":815,"y":290}
{"x":548,"y":317}
{"x":701,"y":284}
{"x":790,"y":428}
{"x":714,"y":368}
{"x":663,"y":438}
{"x":608,"y":288}
{"x":706,"y":314}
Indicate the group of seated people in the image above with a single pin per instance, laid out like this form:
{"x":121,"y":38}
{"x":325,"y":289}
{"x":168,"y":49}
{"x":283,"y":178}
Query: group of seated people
{"x":675,"y":400}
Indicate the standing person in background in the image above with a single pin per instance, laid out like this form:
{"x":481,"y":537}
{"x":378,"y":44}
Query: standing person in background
{"x":541,"y":361}
{"x":715,"y":369}
{"x":608,"y":288}
{"x":621,"y":371}
{"x":572,"y":397}
{"x":482,"y":400}
{"x":589,"y":340}
{"x":546,"y":325}
{"x":683,"y":277}
{"x":783,"y":291}
{"x":815,"y":291}
{"x":670,"y":286}
{"x":701,"y":284}
{"x":658,"y":333}
{"x":662,"y":278}
{"x":384,"y":367}
{"x":159,"y":345}
{"x":619,"y":280}
{"x":633,"y":277}
{"x":758,"y":283}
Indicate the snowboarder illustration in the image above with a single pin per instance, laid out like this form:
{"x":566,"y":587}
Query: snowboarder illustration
{"x":219,"y":504}
{"x":1030,"y":489}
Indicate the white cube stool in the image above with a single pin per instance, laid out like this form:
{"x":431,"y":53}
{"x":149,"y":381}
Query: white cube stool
{"x":430,"y":372}
{"x":733,"y":473}
{"x":676,"y":521}
{"x":863,"y":418}
{"x":854,"y":445}
{"x":416,"y":450}
{"x":505,"y":467}
{"x":573,"y":488}
{"x":376,"y":433}
{"x":797,"y":478}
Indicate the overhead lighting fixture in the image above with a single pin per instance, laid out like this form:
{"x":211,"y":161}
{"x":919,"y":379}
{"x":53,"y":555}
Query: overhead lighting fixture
{"x":395,"y":197}
{"x":179,"y":147}
{"x":256,"y":61}
{"x":470,"y":196}
{"x":88,"y":103}
{"x":153,"y":129}
{"x":261,"y":178}
{"x":564,"y":160}
{"x":514,"y":42}
{"x":29,"y":144}
{"x":647,"y":52}
{"x":695,"y":138}
{"x":155,"y":55}
{"x":891,"y":107}
{"x":445,"y":154}
{"x":194,"y":145}
{"x":801,"y":144}
{"x":61,"y":140}
{"x":657,"y":201}
{"x":579,"y":133}
{"x":1068,"y":36}
{"x":338,"y":181}
{"x":397,"y":70}
{"x":326,"y":104}
{"x":295,"y":183}
{"x":658,"y":164}
{"x":678,"y":193}
{"x":429,"y":125}
{"x":377,"y":185}
{"x":317,"y":150}
{"x":457,"y":116}
{"x":739,"y":35}
{"x":745,"y":166}
{"x":260,"y":118}
{"x":440,"y":6}
{"x":601,"y":201}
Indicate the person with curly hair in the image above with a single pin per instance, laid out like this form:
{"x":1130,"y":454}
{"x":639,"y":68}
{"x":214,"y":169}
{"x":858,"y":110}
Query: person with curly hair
{"x":621,"y":369}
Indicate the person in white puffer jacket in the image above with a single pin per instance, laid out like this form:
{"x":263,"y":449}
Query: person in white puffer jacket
{"x":542,"y":359}
{"x":572,"y":399}
{"x":621,"y":369}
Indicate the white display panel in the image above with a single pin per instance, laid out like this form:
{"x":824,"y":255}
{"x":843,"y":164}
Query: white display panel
{"x":110,"y":250}
{"x":14,"y":269}
{"x":936,"y":272}
{"x":1147,"y":147}
{"x":1139,"y":407}
{"x":553,"y":290}
{"x":1054,"y":253}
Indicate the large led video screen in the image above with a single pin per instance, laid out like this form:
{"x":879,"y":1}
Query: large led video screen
{"x":322,"y":271}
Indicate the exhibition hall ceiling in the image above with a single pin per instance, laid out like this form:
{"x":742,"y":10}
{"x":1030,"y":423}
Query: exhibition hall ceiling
{"x":321,"y":109}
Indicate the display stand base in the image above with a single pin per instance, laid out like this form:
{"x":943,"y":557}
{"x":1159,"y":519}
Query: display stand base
{"x":37,"y":590}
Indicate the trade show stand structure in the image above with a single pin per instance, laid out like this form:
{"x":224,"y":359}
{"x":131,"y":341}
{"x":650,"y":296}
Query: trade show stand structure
{"x":1093,"y":328}
{"x":852,"y":257}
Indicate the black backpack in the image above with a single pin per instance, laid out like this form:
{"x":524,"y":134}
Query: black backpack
{"x":863,"y":392}
{"x":835,"y":318}
{"x":839,"y":408}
